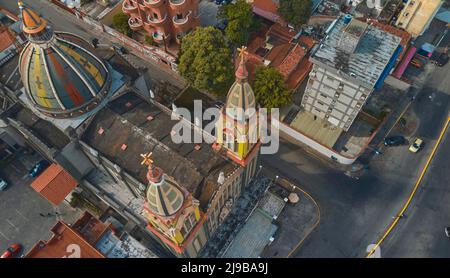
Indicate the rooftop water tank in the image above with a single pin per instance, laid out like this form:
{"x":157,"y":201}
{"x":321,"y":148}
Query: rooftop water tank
{"x":347,"y":19}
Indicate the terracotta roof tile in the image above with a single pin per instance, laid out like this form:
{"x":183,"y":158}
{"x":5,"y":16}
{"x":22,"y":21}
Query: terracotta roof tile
{"x":6,"y":39}
{"x":54,"y":184}
{"x":65,"y":243}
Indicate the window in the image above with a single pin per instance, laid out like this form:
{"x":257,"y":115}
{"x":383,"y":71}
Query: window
{"x":155,"y":15}
{"x":179,"y":16}
{"x":189,"y":223}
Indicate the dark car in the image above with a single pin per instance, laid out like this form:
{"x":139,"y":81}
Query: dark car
{"x":218,"y":104}
{"x":12,"y":251}
{"x":119,"y":48}
{"x":94,"y":42}
{"x":440,"y":59}
{"x":38,"y":168}
{"x":395,"y":141}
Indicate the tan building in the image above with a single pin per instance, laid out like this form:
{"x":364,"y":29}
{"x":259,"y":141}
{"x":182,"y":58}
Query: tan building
{"x":164,"y":20}
{"x":417,"y":15}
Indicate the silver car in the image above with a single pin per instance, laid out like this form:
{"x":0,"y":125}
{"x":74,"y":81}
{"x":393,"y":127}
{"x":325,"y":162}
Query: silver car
{"x":3,"y":184}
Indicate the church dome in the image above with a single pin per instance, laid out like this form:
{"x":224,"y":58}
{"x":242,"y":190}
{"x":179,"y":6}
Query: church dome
{"x":61,"y":75}
{"x":240,"y":97}
{"x":164,"y":197}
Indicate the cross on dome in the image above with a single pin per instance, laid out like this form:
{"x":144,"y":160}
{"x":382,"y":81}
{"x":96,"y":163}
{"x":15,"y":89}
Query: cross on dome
{"x":147,"y":159}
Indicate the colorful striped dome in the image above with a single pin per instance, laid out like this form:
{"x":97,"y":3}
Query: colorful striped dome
{"x":62,"y":76}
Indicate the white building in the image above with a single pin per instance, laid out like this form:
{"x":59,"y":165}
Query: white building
{"x":353,"y":59}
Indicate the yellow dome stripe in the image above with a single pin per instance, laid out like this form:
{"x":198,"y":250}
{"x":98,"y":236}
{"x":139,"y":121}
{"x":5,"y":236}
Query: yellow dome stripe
{"x":40,"y":90}
{"x":93,"y":70}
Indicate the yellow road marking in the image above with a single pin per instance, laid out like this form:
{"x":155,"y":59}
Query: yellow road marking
{"x":416,"y":186}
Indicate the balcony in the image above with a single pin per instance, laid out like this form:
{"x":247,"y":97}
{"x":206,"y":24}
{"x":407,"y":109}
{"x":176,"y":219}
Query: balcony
{"x":129,"y":7}
{"x":179,"y":6}
{"x":153,"y":22}
{"x":153,"y":3}
{"x":181,"y":21}
{"x":135,"y":24}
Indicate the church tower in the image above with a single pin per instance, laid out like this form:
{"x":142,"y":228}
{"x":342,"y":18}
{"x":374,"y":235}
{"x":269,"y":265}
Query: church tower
{"x":237,"y":128}
{"x":173,"y":213}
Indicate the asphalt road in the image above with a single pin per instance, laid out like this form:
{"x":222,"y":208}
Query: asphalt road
{"x":20,"y":207}
{"x":420,"y":233}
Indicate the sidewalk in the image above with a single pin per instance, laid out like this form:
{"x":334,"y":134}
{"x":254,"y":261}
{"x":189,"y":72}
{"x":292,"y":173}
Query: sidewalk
{"x":295,"y":223}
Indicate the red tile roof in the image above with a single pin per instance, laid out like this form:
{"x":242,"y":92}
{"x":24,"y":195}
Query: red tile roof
{"x":65,"y":243}
{"x":54,"y":184}
{"x":288,"y":57}
{"x":6,"y":39}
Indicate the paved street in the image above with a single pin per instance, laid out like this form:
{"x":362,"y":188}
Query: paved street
{"x":355,"y":213}
{"x":421,"y":232}
{"x":20,"y":207}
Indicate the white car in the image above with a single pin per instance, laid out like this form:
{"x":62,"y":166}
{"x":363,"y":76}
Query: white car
{"x":3,"y":184}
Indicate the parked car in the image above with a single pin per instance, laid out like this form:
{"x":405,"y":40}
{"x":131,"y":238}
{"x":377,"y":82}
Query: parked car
{"x":416,"y":145}
{"x":38,"y":168}
{"x":94,"y":42}
{"x":218,"y":104}
{"x":439,"y":59}
{"x":12,"y":251}
{"x":119,"y":48}
{"x":3,"y":184}
{"x":395,"y":141}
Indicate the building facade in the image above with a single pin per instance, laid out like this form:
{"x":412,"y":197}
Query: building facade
{"x":163,"y":20}
{"x":350,"y":63}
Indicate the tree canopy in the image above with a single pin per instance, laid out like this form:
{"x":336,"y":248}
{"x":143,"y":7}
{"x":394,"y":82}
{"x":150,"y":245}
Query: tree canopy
{"x":241,"y":22}
{"x":120,"y":23}
{"x":296,"y":12}
{"x":206,"y":60}
{"x":270,"y":88}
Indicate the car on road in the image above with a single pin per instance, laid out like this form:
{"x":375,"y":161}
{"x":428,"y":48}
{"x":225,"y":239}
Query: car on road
{"x":416,"y":145}
{"x":38,"y":168}
{"x":439,"y":59}
{"x":3,"y":184}
{"x":119,"y":48}
{"x":218,"y":104}
{"x":94,"y":42}
{"x":12,"y":251}
{"x":395,"y":141}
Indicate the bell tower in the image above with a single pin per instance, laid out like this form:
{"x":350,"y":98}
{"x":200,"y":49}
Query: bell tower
{"x":237,"y":128}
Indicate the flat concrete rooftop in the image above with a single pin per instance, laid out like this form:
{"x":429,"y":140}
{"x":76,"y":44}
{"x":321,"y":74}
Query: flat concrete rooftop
{"x":365,"y":64}
{"x":316,"y":128}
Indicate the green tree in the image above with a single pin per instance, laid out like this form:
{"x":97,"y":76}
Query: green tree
{"x":206,"y":60}
{"x":120,"y":23}
{"x":296,"y":12}
{"x":241,"y":22}
{"x":270,"y":88}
